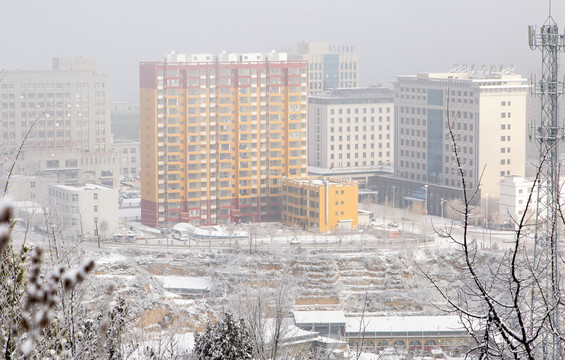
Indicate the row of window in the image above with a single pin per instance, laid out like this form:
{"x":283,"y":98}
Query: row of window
{"x":348,"y":146}
{"x":380,"y":153}
{"x":340,"y":111}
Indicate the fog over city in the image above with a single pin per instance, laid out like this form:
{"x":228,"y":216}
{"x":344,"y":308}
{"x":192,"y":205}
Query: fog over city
{"x":282,"y":180}
{"x":392,"y":37}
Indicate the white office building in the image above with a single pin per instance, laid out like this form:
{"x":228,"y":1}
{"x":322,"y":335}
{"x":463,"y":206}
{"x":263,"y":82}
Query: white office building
{"x":84,"y":211}
{"x":351,"y":128}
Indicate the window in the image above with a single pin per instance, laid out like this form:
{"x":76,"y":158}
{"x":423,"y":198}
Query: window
{"x":95,"y":208}
{"x":52,"y":163}
{"x":95,"y":196}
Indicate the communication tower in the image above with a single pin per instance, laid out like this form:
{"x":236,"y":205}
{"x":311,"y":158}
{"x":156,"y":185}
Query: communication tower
{"x":548,"y":134}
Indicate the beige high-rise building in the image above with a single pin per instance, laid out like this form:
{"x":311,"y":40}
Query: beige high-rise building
{"x":351,"y":128}
{"x":329,"y":66}
{"x":487,"y":110}
{"x":63,"y":118}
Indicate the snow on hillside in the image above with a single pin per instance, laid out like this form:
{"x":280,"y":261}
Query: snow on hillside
{"x":153,"y":279}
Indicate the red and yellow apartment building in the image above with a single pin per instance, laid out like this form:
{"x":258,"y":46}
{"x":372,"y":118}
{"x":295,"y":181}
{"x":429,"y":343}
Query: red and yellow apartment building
{"x":218,"y":134}
{"x":320,"y":203}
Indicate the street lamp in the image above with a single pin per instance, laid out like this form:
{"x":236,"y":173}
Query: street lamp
{"x":486,"y":212}
{"x":425,"y":187}
{"x":487,"y":224}
{"x":443,"y":201}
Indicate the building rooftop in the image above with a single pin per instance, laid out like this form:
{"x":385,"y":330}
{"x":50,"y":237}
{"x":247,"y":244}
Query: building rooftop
{"x":225,"y":56}
{"x":318,"y":317}
{"x":349,"y":170}
{"x":351,"y":95}
{"x":404,"y":324}
{"x":82,"y":187}
{"x":319,"y":180}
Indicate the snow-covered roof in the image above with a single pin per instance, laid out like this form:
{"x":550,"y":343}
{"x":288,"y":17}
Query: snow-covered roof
{"x":318,"y":317}
{"x":185,"y":282}
{"x":29,"y":207}
{"x":403,"y":324}
{"x":82,"y":187}
{"x":290,"y":332}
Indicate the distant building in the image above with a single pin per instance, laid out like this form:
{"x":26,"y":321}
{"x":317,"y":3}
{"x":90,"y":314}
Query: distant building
{"x":412,"y":333}
{"x":67,"y":114}
{"x":125,"y":121}
{"x":77,"y":63}
{"x":87,"y":211}
{"x":514,"y":194}
{"x":327,"y":323}
{"x":322,"y":204}
{"x":30,"y":214}
{"x":351,"y":128}
{"x":218,"y":134}
{"x":128,"y":153}
{"x":28,"y":188}
{"x":487,"y":109}
{"x":330,"y":67}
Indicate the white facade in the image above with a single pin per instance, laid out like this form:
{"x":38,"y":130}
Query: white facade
{"x":329,"y":67}
{"x":514,"y":194}
{"x":351,"y":128}
{"x":488,"y":113}
{"x":67,"y":114}
{"x":84,"y":210}
{"x":128,"y":152}
{"x":29,"y":188}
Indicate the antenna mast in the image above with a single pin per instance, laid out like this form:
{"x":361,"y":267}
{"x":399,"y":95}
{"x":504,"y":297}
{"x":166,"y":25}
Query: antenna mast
{"x":548,"y":135}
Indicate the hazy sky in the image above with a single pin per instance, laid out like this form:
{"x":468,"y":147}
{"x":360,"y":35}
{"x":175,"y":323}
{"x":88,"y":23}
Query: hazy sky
{"x":392,"y":37}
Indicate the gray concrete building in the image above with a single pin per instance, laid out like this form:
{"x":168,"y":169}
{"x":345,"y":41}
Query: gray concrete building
{"x":128,"y":151}
{"x":486,"y":109}
{"x":125,"y":120}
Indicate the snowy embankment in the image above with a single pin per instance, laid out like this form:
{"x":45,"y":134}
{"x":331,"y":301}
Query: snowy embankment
{"x":187,"y":287}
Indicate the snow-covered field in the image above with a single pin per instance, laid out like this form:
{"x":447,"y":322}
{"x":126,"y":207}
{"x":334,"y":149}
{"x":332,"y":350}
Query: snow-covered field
{"x":180,"y":286}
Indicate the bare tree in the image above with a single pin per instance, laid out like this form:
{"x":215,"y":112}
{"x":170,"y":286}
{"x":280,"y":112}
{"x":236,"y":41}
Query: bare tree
{"x":266,"y":309}
{"x":495,"y":294}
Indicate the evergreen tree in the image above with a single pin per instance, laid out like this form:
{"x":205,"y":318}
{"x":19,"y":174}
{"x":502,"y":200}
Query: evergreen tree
{"x":227,"y":339}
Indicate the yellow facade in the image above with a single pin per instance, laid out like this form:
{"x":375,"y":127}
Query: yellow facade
{"x":320,"y":204}
{"x":217,"y":138}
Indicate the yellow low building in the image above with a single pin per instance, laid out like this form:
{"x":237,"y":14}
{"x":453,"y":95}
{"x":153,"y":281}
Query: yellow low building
{"x":320,"y":203}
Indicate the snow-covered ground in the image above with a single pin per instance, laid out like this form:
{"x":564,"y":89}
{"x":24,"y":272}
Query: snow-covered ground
{"x":372,"y":271}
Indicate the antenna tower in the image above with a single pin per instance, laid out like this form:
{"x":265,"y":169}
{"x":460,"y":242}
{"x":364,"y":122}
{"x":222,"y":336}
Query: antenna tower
{"x":548,"y":135}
